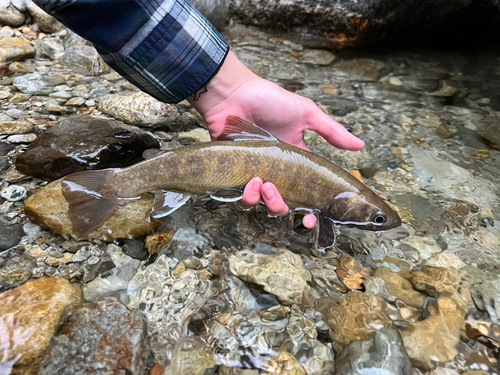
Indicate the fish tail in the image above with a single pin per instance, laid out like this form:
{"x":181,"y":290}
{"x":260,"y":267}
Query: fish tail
{"x":91,"y":199}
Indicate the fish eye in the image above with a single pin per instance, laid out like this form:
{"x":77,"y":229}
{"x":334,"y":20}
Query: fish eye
{"x":379,"y":217}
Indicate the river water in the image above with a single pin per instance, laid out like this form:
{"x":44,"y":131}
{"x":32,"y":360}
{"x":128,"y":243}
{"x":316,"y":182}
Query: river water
{"x":238,"y":292}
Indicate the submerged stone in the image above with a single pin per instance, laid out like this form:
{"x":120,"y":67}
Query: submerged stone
{"x":102,"y":336}
{"x":435,"y":338}
{"x":382,"y":352}
{"x":81,"y":143}
{"x":353,"y":317}
{"x":282,"y":274}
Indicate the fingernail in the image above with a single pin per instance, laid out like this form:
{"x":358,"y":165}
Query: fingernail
{"x":268,"y":192}
{"x":256,"y":186}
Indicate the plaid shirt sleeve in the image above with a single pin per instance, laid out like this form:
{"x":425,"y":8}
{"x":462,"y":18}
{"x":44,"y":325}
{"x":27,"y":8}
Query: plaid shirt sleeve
{"x":164,"y":47}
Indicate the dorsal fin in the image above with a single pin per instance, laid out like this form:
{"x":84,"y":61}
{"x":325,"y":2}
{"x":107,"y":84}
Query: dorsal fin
{"x":237,"y":129}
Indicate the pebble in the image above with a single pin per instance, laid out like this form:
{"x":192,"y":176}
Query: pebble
{"x":22,"y":138}
{"x":13,"y":193}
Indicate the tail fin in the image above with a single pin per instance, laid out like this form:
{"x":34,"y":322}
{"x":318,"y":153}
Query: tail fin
{"x":91,"y":200}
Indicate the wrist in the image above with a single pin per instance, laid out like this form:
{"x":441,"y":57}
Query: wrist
{"x":232,"y":75}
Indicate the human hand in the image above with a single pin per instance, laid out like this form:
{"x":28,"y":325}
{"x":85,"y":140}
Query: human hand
{"x":236,"y":90}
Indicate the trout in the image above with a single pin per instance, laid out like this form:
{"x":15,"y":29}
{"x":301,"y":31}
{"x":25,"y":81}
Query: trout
{"x":307,"y":182}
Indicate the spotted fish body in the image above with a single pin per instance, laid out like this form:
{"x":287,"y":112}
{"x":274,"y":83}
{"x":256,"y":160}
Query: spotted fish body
{"x":222,"y":168}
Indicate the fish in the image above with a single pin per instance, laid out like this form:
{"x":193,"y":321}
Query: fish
{"x":306,"y":181}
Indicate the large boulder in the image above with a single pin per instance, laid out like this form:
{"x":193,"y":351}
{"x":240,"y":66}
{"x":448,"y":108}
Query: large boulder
{"x":374,"y":21}
{"x":80,"y":143}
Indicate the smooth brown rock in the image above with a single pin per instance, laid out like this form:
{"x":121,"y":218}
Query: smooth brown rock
{"x":12,"y":49}
{"x":48,"y":208}
{"x":353,"y":316}
{"x":436,"y":337}
{"x":30,"y":315}
{"x":137,"y":108}
{"x":81,"y":143}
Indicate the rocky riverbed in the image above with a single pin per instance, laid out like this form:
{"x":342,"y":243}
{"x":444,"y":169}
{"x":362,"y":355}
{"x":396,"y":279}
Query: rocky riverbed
{"x":216,"y":290}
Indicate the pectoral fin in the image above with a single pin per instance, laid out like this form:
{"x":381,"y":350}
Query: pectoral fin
{"x":237,"y":129}
{"x":227,"y":195}
{"x":326,"y":233}
{"x":167,"y":202}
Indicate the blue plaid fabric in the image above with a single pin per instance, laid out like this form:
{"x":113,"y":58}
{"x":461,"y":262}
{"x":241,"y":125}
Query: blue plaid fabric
{"x":165,"y":48}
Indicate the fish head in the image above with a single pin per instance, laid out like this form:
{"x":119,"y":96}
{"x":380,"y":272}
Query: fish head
{"x":364,"y":210}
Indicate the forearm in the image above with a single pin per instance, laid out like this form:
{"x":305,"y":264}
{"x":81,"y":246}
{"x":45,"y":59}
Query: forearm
{"x":168,"y":50}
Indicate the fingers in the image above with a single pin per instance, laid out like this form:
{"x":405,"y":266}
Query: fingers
{"x":251,"y":193}
{"x":333,"y":132}
{"x":273,"y":200}
{"x":309,"y":220}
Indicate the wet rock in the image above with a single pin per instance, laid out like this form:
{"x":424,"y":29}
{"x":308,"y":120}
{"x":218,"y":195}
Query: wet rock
{"x":135,"y":249}
{"x":216,"y":12}
{"x":10,"y":15}
{"x":350,"y":272}
{"x":85,"y":59}
{"x":48,"y":208}
{"x":436,"y":337}
{"x":80,"y":143}
{"x":354,"y":23}
{"x":14,"y":49}
{"x":381,"y":352}
{"x":45,"y":22}
{"x":317,"y":57}
{"x":156,"y":242}
{"x":137,"y":108}
{"x":116,"y":280}
{"x":353,"y":317}
{"x":399,"y":287}
{"x":33,"y":84}
{"x":51,"y":49}
{"x":5,"y":148}
{"x":441,"y":282}
{"x":445,"y":90}
{"x":176,"y":299}
{"x":21,"y":138}
{"x":191,"y":357}
{"x":195,"y":135}
{"x":284,"y":363}
{"x":30,"y":315}
{"x":15,"y":268}
{"x":484,"y":332}
{"x":282,"y":274}
{"x":10,"y":235}
{"x":362,"y":70}
{"x":13,"y":193}
{"x":339,"y":106}
{"x":102,"y":336}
